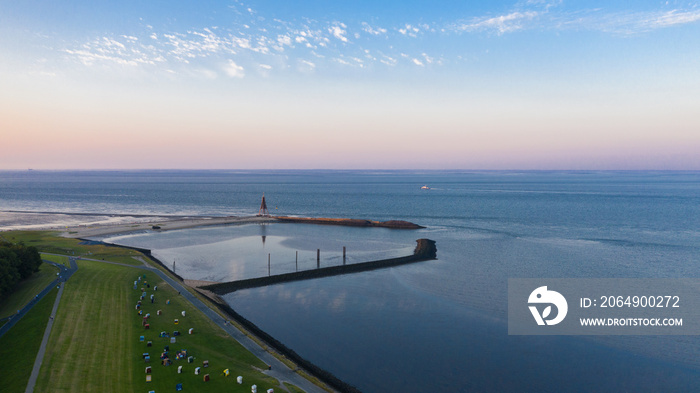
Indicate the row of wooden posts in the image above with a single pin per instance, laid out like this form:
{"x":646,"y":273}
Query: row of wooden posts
{"x":318,"y":259}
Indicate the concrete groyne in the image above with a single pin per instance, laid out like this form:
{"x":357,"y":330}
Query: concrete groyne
{"x":425,"y":250}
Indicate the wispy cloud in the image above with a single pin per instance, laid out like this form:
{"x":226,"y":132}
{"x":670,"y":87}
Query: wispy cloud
{"x":633,"y":22}
{"x":409,"y":30}
{"x":234,"y":70}
{"x":674,"y":17}
{"x":111,"y":51}
{"x":501,"y":24}
{"x":254,"y":40}
{"x":338,"y":31}
{"x":373,"y":30}
{"x":306,"y":66}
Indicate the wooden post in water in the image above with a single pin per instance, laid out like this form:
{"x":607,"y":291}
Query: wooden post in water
{"x":268,"y":264}
{"x":297,"y":261}
{"x":343,"y":255}
{"x":318,"y":258}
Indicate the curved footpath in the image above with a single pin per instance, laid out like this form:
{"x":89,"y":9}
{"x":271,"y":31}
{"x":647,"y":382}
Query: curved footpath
{"x":64,"y":274}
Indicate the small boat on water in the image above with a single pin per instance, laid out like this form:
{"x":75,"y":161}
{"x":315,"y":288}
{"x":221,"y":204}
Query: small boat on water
{"x":425,"y":188}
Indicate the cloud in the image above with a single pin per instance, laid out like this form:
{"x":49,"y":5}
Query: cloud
{"x":625,"y":22}
{"x":264,"y":69}
{"x":373,"y":30}
{"x":284,"y":40}
{"x":388,"y":60}
{"x":234,"y":70}
{"x":409,"y":30}
{"x":502,"y":24}
{"x":106,"y":50}
{"x":350,"y":61}
{"x":306,"y":66}
{"x":257,"y":40}
{"x":640,"y":22}
{"x":674,"y":17}
{"x":108,"y":42}
{"x":338,"y":32}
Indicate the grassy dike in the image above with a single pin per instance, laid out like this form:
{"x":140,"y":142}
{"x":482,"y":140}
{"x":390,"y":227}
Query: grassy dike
{"x":27,"y":289}
{"x":49,"y":242}
{"x":95,"y":341}
{"x":18,"y":347}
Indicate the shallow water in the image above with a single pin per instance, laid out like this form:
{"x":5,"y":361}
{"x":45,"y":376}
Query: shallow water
{"x":235,"y":252}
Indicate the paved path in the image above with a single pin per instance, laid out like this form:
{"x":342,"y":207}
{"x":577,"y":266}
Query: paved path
{"x":64,"y":274}
{"x":42,"y":349}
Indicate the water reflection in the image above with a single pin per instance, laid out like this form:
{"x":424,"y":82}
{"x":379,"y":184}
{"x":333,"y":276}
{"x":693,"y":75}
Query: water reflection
{"x":263,"y":232}
{"x":230,"y":253}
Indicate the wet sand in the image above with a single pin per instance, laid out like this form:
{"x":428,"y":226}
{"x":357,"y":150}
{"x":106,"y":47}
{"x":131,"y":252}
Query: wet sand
{"x":81,"y":225}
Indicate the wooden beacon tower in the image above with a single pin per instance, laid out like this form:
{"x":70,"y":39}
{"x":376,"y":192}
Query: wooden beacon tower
{"x":263,"y":212}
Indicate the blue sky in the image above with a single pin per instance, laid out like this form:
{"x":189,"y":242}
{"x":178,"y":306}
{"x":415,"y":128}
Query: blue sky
{"x":532,"y":84}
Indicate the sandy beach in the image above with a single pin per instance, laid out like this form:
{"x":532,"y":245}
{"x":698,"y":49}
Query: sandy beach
{"x":79,"y":225}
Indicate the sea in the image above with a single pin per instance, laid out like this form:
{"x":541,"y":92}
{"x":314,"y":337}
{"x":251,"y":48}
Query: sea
{"x":439,"y":325}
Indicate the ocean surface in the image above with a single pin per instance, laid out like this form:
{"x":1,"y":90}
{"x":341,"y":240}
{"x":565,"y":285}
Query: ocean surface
{"x":432,"y":326}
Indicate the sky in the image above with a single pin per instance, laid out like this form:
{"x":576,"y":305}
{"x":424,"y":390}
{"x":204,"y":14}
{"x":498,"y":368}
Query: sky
{"x":412,"y":84}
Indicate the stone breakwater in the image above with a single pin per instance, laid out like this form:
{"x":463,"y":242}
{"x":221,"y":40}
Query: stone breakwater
{"x":425,"y":250}
{"x":351,"y":222}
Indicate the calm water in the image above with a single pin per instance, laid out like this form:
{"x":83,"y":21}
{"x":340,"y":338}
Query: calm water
{"x":235,"y":252}
{"x":438,"y":325}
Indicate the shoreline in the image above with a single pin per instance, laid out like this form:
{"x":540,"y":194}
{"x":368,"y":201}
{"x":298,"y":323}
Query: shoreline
{"x":82,"y":225}
{"x":84,"y":231}
{"x":161,"y":225}
{"x":86,"y":225}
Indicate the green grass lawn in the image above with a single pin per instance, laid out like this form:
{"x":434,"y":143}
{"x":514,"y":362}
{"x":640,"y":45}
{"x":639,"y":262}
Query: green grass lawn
{"x":19,"y":346}
{"x":87,"y":347}
{"x":59,"y":259}
{"x":27,"y":289}
{"x":95,"y":347}
{"x":209,"y":342}
{"x":50,"y":242}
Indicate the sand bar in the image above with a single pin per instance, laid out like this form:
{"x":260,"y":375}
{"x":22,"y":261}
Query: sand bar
{"x":85,"y":225}
{"x":82,"y":225}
